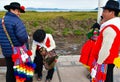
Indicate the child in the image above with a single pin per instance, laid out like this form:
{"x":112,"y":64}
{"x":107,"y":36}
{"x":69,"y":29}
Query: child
{"x":42,"y":43}
{"x":85,"y":57}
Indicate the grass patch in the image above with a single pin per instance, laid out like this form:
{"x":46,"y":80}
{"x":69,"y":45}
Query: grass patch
{"x":66,"y":31}
{"x":49,"y":30}
{"x":77,"y":32}
{"x":44,"y":16}
{"x":35,"y":23}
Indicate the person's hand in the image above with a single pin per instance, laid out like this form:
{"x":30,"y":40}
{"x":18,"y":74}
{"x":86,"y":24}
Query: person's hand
{"x":99,"y":62}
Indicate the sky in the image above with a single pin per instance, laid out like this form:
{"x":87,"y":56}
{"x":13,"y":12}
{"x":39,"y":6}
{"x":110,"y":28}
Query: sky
{"x":64,"y":4}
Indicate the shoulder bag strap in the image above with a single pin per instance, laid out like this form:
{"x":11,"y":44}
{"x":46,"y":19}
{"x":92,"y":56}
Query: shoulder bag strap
{"x":5,"y":30}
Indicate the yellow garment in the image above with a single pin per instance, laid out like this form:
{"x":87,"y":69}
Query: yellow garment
{"x":117,"y":62}
{"x":86,"y":66}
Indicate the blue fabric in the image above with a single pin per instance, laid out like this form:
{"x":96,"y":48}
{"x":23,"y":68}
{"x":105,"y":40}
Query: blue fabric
{"x":16,"y":30}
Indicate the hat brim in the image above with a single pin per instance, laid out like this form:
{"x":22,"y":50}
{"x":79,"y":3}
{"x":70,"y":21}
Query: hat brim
{"x":111,"y":8}
{"x":8,"y":7}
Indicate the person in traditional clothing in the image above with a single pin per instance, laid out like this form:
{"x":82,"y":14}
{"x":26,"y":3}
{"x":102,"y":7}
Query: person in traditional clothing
{"x":17,"y":32}
{"x":86,"y":58}
{"x":108,"y":43}
{"x":42,"y":40}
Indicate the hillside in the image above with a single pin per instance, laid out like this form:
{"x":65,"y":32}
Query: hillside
{"x":68,"y":28}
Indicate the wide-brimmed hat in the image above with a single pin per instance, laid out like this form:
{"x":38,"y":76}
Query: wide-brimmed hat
{"x":113,"y":5}
{"x":15,"y":5}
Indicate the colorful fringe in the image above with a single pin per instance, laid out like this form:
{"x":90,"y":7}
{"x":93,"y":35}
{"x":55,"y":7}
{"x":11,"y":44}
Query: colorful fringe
{"x":24,"y":71}
{"x":101,"y":73}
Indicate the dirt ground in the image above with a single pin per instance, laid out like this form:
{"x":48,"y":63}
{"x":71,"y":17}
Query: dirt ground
{"x":69,"y":45}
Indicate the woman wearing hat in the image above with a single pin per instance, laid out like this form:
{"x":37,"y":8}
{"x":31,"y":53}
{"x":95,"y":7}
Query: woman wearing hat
{"x":108,"y":43}
{"x":17,"y":33}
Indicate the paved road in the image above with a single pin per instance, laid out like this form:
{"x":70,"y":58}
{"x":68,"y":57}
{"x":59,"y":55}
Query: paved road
{"x":68,"y":69}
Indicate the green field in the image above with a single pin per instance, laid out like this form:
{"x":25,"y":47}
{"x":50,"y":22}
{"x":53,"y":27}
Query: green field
{"x":64,"y":22}
{"x":36,"y":16}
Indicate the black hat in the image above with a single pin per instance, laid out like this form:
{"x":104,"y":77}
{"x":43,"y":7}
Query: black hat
{"x":113,"y":5}
{"x":15,"y":5}
{"x":39,"y":35}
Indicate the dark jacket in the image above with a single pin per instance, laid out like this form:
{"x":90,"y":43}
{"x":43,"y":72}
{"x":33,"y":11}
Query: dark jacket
{"x":16,"y":30}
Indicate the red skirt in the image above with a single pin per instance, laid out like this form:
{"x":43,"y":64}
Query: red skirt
{"x":86,"y":57}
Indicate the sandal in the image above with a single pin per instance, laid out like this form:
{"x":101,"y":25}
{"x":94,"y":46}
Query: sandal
{"x":47,"y":80}
{"x":39,"y":79}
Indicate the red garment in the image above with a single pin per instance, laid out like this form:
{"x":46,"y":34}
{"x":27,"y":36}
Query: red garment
{"x":85,"y":56}
{"x":115,"y":46}
{"x":47,"y":43}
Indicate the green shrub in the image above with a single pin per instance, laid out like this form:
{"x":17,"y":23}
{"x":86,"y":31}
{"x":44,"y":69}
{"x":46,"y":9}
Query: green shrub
{"x":77,"y":32}
{"x":35,"y":24}
{"x":66,"y":31}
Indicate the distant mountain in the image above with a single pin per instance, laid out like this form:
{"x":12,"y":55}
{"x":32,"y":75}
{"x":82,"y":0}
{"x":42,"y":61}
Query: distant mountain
{"x":96,"y":8}
{"x":31,"y":8}
{"x":56,"y":9}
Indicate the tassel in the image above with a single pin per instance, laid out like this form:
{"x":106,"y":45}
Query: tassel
{"x":15,"y":57}
{"x":29,"y":52}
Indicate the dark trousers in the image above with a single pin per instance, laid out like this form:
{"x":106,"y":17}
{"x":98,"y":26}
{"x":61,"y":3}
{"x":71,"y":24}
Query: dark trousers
{"x":109,"y":77}
{"x":10,"y":72}
{"x":39,"y":66}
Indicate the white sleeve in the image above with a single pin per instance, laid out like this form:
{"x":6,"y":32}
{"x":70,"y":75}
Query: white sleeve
{"x":108,"y":39}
